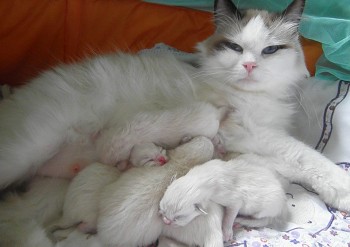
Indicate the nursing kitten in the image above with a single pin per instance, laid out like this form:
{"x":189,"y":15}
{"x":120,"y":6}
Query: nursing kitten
{"x":251,"y":63}
{"x":81,"y":201}
{"x":144,"y":154}
{"x":128,"y":208}
{"x":242,"y":188}
{"x":24,"y":216}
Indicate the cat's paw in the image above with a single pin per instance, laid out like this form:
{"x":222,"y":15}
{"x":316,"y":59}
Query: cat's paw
{"x":334,"y":189}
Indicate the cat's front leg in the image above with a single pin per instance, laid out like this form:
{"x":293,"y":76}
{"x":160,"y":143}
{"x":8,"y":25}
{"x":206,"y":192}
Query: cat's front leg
{"x":302,"y":164}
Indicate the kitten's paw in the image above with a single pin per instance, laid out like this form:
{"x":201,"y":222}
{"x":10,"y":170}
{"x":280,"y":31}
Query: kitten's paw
{"x":227,"y":234}
{"x":219,"y":147}
{"x":87,"y":228}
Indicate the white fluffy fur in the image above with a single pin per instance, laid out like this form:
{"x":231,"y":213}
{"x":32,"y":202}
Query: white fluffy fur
{"x":23,"y":217}
{"x":128,"y":210}
{"x":81,"y":201}
{"x":242,"y":188}
{"x":263,"y":112}
{"x":84,"y":103}
{"x":78,"y":103}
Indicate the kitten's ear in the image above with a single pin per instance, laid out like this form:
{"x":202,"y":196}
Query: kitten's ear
{"x":224,"y":9}
{"x":294,"y":10}
{"x":200,"y":208}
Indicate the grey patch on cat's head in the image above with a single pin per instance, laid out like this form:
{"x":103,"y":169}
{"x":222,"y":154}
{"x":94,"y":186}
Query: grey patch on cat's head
{"x":230,"y":21}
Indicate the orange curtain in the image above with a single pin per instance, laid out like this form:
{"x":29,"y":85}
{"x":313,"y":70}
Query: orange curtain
{"x":38,"y":34}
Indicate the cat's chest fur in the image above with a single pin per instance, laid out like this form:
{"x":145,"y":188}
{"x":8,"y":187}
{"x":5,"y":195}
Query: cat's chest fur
{"x":252,"y":114}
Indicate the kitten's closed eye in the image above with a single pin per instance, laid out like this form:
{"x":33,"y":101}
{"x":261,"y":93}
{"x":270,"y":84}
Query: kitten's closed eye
{"x":225,"y":44}
{"x":178,"y":217}
{"x":272,"y":49}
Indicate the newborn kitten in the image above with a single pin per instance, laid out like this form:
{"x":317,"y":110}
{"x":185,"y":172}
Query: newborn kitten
{"x":148,"y":154}
{"x":128,"y":208}
{"x":144,"y":154}
{"x":25,"y":216}
{"x":239,"y":186}
{"x":81,"y":201}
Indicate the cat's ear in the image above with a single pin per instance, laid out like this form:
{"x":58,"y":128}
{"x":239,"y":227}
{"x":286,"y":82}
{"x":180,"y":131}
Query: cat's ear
{"x":199,"y":208}
{"x":294,"y":11}
{"x":224,"y":9}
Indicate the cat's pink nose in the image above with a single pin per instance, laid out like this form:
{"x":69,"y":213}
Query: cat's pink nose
{"x":249,"y":66}
{"x":166,"y":220}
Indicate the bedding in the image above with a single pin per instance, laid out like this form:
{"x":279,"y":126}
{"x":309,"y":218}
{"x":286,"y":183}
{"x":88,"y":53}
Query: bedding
{"x":37,"y":35}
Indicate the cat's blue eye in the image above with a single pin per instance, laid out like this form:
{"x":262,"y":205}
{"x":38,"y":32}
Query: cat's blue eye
{"x":271,"y":49}
{"x":230,"y":45}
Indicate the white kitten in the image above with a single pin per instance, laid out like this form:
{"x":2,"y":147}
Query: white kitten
{"x":81,"y":201}
{"x":148,"y":154}
{"x":128,"y":210}
{"x":242,"y":188}
{"x":24,"y":216}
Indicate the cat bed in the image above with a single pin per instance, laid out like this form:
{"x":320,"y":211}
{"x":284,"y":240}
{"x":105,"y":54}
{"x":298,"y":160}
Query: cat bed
{"x":37,"y":35}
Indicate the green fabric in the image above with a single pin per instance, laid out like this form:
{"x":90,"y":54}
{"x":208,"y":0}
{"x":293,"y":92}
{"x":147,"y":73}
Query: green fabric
{"x":326,"y":21}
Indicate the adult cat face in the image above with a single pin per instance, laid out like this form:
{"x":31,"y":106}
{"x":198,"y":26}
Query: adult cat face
{"x":254,"y":50}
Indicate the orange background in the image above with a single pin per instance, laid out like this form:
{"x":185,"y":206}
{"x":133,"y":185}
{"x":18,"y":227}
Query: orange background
{"x":37,"y":34}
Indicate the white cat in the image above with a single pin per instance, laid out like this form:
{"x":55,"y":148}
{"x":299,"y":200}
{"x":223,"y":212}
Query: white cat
{"x":251,"y":63}
{"x":242,"y":188}
{"x":128,"y":208}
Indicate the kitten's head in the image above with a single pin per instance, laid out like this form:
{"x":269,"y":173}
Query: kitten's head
{"x":181,"y":204}
{"x":148,"y":154}
{"x":254,"y":50}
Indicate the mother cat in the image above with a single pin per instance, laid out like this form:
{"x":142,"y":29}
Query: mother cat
{"x":250,"y":63}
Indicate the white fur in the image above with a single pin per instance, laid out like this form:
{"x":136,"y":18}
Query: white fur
{"x":23,"y":217}
{"x":128,"y":210}
{"x":81,"y":201}
{"x":239,"y":186}
{"x":262,"y":101}
{"x":88,"y":102}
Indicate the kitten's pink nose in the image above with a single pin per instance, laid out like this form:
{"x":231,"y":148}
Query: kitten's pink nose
{"x":166,"y":220}
{"x":162,"y":160}
{"x":249,"y":66}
